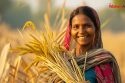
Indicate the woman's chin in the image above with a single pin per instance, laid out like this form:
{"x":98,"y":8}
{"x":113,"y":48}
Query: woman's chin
{"x":84,"y":43}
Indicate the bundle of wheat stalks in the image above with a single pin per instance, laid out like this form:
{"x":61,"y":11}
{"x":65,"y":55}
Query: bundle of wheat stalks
{"x":51,"y":55}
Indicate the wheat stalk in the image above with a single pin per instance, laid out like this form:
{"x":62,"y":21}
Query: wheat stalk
{"x":3,"y":59}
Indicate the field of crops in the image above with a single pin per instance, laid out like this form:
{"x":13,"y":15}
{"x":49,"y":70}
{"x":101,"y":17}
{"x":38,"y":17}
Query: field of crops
{"x":12,"y":66}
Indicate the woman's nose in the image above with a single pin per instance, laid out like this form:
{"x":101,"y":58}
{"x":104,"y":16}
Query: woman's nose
{"x":81,"y":29}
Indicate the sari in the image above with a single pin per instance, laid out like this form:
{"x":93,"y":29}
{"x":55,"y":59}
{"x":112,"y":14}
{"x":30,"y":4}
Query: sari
{"x":104,"y":64}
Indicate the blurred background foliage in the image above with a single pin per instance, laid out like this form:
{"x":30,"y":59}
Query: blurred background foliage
{"x":16,"y":12}
{"x":117,"y":16}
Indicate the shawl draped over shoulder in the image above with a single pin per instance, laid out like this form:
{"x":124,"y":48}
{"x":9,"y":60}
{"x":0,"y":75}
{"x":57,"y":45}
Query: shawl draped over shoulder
{"x":97,"y":57}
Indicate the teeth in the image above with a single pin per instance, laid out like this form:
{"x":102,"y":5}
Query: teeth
{"x":82,"y":36}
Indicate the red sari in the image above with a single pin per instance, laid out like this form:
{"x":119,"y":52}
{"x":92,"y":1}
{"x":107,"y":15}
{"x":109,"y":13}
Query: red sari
{"x":104,"y":73}
{"x":104,"y":64}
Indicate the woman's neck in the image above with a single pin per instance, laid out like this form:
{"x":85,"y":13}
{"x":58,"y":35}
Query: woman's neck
{"x":82,"y":49}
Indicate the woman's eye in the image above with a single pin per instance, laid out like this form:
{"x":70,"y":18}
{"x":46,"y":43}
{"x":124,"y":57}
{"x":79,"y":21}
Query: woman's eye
{"x":88,"y":25}
{"x":76,"y":27}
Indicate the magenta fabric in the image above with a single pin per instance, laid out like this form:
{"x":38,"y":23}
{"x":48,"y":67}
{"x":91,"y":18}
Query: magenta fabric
{"x":104,"y":73}
{"x":67,"y":37}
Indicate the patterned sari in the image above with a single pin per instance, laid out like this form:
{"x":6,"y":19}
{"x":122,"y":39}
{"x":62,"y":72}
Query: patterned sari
{"x":104,"y":64}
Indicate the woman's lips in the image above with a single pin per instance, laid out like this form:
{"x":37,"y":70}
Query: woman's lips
{"x":82,"y":37}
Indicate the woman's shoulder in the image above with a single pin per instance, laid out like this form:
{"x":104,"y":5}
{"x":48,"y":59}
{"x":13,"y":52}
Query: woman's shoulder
{"x":101,"y":52}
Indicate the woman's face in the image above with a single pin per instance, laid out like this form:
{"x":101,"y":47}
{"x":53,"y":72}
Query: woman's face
{"x":82,"y":30}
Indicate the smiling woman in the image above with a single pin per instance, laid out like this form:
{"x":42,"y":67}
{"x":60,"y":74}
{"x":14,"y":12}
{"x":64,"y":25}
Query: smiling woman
{"x":97,"y":64}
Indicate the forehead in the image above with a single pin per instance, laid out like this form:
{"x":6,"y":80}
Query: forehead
{"x":81,"y":18}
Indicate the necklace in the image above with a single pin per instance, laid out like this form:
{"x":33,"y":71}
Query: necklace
{"x":84,"y":66}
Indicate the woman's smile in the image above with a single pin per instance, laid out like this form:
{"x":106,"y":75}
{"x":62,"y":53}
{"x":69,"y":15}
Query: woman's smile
{"x":83,"y":39}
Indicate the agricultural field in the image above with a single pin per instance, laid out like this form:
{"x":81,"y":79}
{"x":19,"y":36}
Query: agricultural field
{"x":14,"y":65}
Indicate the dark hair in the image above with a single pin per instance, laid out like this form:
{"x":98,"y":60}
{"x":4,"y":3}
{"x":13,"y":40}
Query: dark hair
{"x":92,"y":14}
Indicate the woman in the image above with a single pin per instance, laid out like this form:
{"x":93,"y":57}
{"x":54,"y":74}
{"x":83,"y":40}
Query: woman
{"x":98,"y":65}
